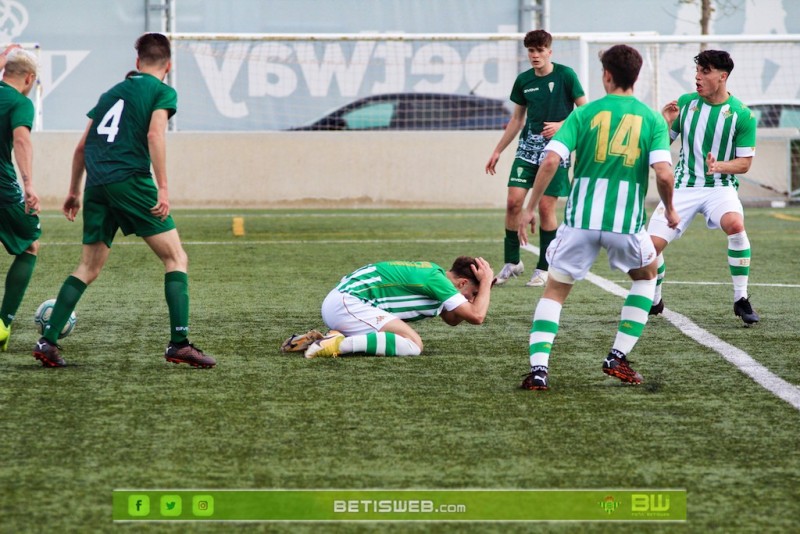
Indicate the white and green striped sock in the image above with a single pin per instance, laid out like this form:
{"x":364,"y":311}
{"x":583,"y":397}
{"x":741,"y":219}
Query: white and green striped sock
{"x":380,"y":344}
{"x":634,"y":314}
{"x":739,"y":263}
{"x":543,"y":331}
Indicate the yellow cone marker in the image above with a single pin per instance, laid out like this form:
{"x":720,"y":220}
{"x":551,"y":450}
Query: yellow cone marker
{"x":238,"y":226}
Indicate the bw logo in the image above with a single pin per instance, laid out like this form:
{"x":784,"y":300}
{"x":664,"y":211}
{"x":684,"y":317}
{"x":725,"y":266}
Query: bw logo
{"x":653,"y":502}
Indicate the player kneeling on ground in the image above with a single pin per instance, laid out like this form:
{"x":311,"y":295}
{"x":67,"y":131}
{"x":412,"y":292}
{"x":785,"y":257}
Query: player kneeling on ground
{"x":369,"y":311}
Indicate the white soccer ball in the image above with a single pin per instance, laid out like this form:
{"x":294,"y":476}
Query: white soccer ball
{"x":43,"y":313}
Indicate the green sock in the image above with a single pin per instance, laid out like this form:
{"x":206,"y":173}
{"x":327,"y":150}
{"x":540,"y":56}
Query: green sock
{"x":511,"y":246}
{"x":176,"y":290}
{"x":545,"y":237}
{"x":19,"y":274}
{"x":71,"y":291}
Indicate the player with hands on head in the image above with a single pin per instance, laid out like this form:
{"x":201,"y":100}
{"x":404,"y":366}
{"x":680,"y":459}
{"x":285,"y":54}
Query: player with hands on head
{"x":616,"y":139}
{"x":371,"y":309}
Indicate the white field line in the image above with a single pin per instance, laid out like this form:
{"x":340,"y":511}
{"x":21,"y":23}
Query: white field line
{"x":743,"y":361}
{"x":139,"y":242}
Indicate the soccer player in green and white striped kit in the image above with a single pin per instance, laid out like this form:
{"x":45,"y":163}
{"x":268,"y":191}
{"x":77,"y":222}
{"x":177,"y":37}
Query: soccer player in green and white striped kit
{"x":718,"y":140}
{"x":615,"y":139}
{"x":369,"y":310}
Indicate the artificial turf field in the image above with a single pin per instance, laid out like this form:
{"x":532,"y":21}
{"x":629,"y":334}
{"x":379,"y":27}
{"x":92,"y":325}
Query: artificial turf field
{"x":119,"y":416}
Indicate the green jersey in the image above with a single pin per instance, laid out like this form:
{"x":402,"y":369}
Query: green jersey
{"x":616,"y":139}
{"x":410,"y":290}
{"x":15,"y":110}
{"x":548,"y":98}
{"x":116,"y":147}
{"x":726,"y":130}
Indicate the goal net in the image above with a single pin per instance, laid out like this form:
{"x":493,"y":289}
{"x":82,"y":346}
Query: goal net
{"x":256,"y":82}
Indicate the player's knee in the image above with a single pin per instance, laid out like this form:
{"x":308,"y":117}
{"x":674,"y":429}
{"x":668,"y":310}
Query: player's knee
{"x":33,"y":248}
{"x":407,"y":347}
{"x":513,"y":206}
{"x":178,"y":261}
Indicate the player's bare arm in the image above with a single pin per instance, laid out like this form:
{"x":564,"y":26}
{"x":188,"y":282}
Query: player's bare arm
{"x":72,"y":204}
{"x":733,"y":166}
{"x":665,"y":183}
{"x":23,"y":153}
{"x":157,"y":144}
{"x":543,"y":178}
{"x":509,"y":134}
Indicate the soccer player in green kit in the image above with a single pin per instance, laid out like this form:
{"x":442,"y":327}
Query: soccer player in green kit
{"x":125,"y":134}
{"x":369,"y":310}
{"x":615,"y":139}
{"x":543,"y":97}
{"x":19,"y":222}
{"x":718,"y":141}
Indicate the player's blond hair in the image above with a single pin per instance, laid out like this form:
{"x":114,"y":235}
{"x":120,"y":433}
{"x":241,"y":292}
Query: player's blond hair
{"x":21,"y":62}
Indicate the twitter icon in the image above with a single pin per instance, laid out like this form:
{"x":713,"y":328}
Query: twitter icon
{"x":170,"y":505}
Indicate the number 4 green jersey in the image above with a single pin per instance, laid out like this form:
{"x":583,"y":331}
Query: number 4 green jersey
{"x":726,"y":130}
{"x":410,"y":290}
{"x":116,"y":146}
{"x":616,"y":139}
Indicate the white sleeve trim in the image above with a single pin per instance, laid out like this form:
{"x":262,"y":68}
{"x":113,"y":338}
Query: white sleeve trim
{"x":559,"y":148}
{"x":657,"y":156}
{"x":454,"y":302}
{"x":745,"y":151}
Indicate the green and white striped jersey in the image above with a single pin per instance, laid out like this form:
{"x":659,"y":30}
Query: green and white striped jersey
{"x":616,"y":139}
{"x":410,"y":290}
{"x":726,"y":130}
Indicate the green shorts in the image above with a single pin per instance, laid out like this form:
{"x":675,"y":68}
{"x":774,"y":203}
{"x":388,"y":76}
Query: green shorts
{"x":523,"y":174}
{"x":18,"y":230}
{"x":122,"y":205}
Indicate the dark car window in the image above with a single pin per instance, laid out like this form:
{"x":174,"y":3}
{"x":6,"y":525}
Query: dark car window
{"x":372,"y":115}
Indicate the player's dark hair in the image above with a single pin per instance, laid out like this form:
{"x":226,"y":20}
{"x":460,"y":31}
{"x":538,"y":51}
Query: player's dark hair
{"x":623,"y":63}
{"x":537,"y":39}
{"x":462,"y":268}
{"x":153,"y":49}
{"x":717,"y":59}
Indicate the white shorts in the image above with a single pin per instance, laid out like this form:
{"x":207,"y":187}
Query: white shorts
{"x":351,"y":316}
{"x":574,"y":251}
{"x":712,"y":202}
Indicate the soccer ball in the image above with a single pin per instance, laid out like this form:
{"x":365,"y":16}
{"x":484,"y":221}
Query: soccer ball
{"x":43,"y":313}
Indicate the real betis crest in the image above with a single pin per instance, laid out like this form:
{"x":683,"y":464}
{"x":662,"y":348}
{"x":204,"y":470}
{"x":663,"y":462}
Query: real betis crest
{"x":520,"y":170}
{"x":550,"y":85}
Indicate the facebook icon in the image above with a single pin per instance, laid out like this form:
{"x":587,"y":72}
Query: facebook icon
{"x":138,"y":505}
